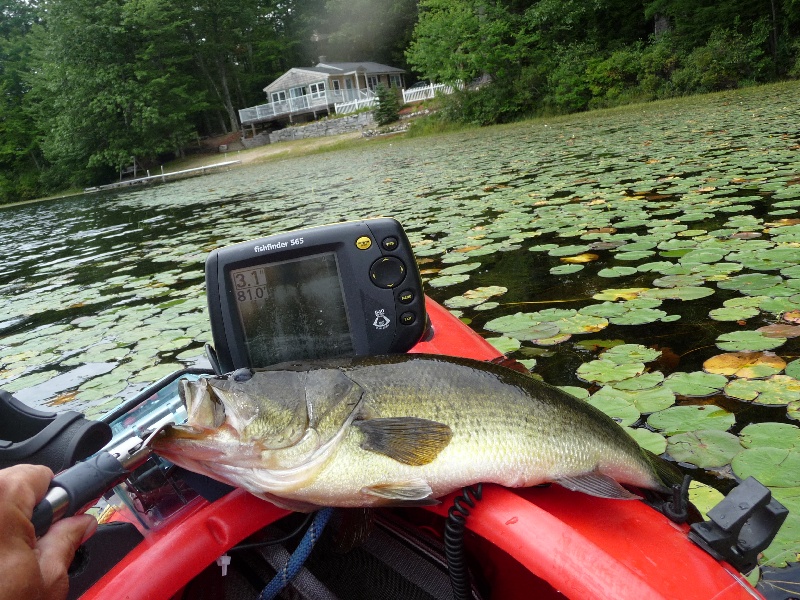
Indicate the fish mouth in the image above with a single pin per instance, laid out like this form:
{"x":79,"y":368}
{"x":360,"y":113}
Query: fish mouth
{"x":172,"y":433}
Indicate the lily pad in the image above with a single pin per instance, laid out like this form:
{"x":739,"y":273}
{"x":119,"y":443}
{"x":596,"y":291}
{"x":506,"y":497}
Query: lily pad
{"x":619,"y":294}
{"x":649,"y":440}
{"x":504,"y":344}
{"x":645,"y":401}
{"x":706,"y":449}
{"x":631,"y":353}
{"x":704,"y":497}
{"x":621,"y":411}
{"x":696,"y":384}
{"x":773,"y":435}
{"x":565,"y":269}
{"x":644,"y":381}
{"x":606,"y":371}
{"x":773,"y":467}
{"x":752,"y":341}
{"x":682,"y":419}
{"x":748,"y":365}
{"x":776,"y":390}
{"x":730,"y":313}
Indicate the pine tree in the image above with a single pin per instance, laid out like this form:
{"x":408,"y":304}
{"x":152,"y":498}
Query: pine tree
{"x":388,"y":108}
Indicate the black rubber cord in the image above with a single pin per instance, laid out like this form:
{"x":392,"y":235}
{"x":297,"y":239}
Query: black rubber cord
{"x":454,"y":541}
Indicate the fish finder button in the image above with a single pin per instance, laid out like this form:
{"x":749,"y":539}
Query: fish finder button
{"x":406,"y":296}
{"x":389,"y":243}
{"x":363,"y":243}
{"x":387,"y":272}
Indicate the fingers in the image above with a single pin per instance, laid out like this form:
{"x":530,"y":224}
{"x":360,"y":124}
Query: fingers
{"x":57,"y":548}
{"x":21,"y":487}
{"x":24,"y":485}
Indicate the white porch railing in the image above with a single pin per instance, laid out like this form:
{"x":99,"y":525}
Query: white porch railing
{"x":423,"y":93}
{"x":305,"y":104}
{"x":366,"y":99}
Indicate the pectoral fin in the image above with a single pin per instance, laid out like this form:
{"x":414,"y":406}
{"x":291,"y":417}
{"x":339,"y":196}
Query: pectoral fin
{"x":414,"y":491}
{"x":408,"y":440}
{"x":597,"y":484}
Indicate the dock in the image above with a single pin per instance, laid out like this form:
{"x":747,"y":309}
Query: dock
{"x":161,"y":177}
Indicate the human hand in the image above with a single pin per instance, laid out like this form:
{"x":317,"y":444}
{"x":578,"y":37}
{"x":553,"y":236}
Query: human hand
{"x":33,"y":568}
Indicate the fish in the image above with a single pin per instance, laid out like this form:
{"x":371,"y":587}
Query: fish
{"x":398,"y":430}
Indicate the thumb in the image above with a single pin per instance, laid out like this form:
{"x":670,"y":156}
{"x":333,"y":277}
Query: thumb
{"x":57,"y":548}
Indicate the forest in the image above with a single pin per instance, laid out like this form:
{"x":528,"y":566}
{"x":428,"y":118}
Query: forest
{"x":87,"y":85}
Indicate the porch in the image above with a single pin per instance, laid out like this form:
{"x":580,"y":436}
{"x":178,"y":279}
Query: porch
{"x":343,"y":101}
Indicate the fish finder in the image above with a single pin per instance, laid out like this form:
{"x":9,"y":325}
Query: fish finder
{"x":338,"y":290}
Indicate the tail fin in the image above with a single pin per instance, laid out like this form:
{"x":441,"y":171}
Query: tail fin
{"x":667,"y":472}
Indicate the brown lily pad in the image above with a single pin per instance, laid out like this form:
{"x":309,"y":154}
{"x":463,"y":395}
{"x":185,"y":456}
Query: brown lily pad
{"x":792,"y":316}
{"x":782,"y":331}
{"x":747,"y":365}
{"x":580,"y":258}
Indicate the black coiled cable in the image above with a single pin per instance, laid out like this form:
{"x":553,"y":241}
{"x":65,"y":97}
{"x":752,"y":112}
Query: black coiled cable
{"x":454,"y":541}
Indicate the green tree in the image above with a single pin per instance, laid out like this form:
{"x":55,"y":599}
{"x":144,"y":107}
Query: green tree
{"x":388,"y":108}
{"x":20,"y":161}
{"x":111,"y":85}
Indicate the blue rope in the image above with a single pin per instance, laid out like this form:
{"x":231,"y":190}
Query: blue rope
{"x":295,"y":563}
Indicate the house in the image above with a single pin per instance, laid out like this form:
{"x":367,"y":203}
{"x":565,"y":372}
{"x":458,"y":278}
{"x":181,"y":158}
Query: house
{"x":302,"y":93}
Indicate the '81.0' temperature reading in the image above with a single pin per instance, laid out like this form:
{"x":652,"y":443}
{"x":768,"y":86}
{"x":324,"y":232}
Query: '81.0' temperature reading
{"x":250,"y":285}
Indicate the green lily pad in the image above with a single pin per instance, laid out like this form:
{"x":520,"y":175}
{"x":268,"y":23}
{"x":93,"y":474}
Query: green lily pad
{"x":645,"y":401}
{"x":606,"y":371}
{"x":460,"y":268}
{"x":706,"y":449}
{"x":644,"y":381}
{"x":704,"y":497}
{"x":733,"y":313}
{"x":773,"y":435}
{"x":565,"y":269}
{"x":776,"y":390}
{"x":447,"y":280}
{"x":639,"y":316}
{"x":696,"y":384}
{"x":682,"y":419}
{"x":752,"y":341}
{"x":617,"y":271}
{"x":649,"y":440}
{"x":619,"y":409}
{"x":793,"y":369}
{"x":631,"y":353}
{"x":504,"y":344}
{"x":679,"y":293}
{"x":773,"y":467}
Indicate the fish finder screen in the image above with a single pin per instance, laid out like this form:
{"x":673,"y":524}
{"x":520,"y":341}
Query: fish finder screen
{"x":292,"y":309}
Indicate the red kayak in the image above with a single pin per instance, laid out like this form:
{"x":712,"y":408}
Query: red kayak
{"x":544,"y":542}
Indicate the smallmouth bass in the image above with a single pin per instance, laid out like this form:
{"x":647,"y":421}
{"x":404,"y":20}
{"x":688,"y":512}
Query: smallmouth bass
{"x":400,"y":429}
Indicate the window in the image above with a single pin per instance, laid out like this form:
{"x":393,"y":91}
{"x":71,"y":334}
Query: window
{"x":395,"y":81}
{"x":372,"y":82}
{"x":336,"y":85}
{"x":279,"y":96}
{"x":317,"y":90}
{"x":297,"y":92}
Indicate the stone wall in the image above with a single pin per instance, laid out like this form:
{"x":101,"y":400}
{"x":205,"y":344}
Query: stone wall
{"x":322,"y":128}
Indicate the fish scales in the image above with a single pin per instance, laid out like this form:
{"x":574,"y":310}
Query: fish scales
{"x":409,"y":429}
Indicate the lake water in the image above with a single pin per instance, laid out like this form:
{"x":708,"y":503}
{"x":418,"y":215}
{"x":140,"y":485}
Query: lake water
{"x":671,"y":228}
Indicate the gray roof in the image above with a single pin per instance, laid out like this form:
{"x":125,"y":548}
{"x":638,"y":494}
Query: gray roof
{"x":307,"y":75}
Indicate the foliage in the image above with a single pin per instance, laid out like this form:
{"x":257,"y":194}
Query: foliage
{"x":602,"y":53}
{"x":388,"y":109}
